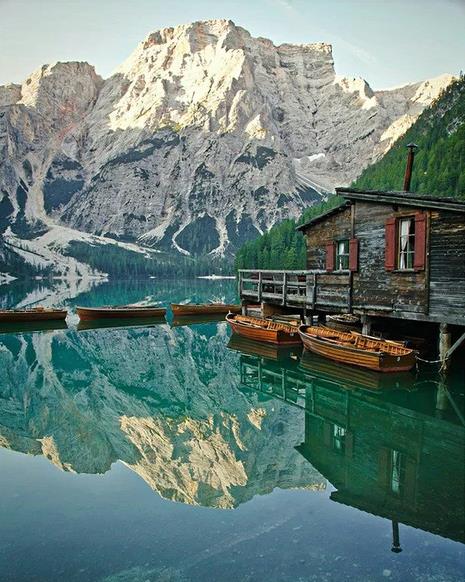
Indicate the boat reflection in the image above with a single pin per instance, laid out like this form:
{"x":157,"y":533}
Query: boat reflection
{"x":393,"y":447}
{"x":33,"y":326}
{"x":270,"y":351}
{"x":186,"y":320}
{"x":123,"y":322}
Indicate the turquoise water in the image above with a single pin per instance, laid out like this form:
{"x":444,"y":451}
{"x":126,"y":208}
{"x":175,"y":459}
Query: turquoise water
{"x":179,"y":453}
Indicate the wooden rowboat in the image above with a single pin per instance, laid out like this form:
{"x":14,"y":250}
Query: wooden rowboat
{"x":119,"y":311}
{"x":358,"y":350}
{"x":352,"y":377}
{"x":264,"y":330}
{"x":344,"y":322}
{"x":203,"y":308}
{"x":33,"y":314}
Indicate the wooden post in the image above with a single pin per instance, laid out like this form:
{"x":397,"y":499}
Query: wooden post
{"x":441,"y":399}
{"x":308,"y":289}
{"x":239,"y":285}
{"x":349,"y":292}
{"x":314,"y":290}
{"x":444,"y":346}
{"x":284,"y":288}
{"x":259,"y":287}
{"x":366,"y":324}
{"x":395,"y":538}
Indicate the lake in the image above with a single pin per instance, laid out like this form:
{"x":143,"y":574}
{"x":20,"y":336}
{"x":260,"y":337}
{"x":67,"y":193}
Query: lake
{"x":177,"y":453}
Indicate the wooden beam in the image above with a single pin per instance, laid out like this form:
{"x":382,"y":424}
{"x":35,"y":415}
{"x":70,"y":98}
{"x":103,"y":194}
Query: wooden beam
{"x":456,"y":345}
{"x":284,"y":288}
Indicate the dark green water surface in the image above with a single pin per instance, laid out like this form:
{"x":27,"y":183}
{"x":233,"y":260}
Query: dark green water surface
{"x":177,"y":453}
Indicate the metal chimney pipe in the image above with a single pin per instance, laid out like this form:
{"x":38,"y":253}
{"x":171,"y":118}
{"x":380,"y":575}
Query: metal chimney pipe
{"x":408,"y":168}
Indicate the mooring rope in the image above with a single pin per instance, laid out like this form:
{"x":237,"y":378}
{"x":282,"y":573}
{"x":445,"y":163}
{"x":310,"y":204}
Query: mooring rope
{"x":442,"y":362}
{"x":428,"y":361}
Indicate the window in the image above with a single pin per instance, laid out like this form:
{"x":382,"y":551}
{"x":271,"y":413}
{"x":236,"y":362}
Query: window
{"x":339,"y":434}
{"x":342,"y":255}
{"x":406,"y":243}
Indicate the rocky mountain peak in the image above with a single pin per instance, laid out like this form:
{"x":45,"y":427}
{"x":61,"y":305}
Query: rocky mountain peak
{"x":63,"y":92}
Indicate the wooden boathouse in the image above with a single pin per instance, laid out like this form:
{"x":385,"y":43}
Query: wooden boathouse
{"x":386,"y":256}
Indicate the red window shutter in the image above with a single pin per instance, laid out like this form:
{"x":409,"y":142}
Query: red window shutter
{"x":390,"y":251}
{"x":419,"y":258}
{"x":330,"y":256}
{"x":353,"y":254}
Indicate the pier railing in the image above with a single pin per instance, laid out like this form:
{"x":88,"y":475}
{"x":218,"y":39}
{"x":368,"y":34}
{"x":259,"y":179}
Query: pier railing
{"x":310,"y":289}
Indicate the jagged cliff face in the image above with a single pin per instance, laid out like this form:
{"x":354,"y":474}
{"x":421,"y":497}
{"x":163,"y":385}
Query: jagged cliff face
{"x":88,"y":399}
{"x":204,"y":137}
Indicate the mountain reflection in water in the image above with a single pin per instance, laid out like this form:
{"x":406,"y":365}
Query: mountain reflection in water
{"x":162,"y":400}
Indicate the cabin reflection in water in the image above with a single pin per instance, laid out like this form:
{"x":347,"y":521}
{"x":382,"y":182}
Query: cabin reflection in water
{"x":398,"y":454}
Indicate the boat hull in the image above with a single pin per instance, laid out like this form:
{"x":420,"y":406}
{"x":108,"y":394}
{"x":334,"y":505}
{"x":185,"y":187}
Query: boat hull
{"x":91,"y":313}
{"x":32,"y":315}
{"x":353,"y":377}
{"x":205,"y":309}
{"x":353,"y":356}
{"x":272,"y":336}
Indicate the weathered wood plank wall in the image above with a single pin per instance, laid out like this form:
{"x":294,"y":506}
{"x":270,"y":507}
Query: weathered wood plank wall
{"x":447,"y":262}
{"x":436,"y":293}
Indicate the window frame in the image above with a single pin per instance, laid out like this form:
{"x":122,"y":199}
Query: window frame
{"x":339,"y":438}
{"x":345,"y":256}
{"x":410,"y":252}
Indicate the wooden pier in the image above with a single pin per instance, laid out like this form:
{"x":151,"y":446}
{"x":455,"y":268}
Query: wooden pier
{"x":312,"y":289}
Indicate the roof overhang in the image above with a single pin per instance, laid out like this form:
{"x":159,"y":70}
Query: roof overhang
{"x":324,"y":216}
{"x":402,"y":198}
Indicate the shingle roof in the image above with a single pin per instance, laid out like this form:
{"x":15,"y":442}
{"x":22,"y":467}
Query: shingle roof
{"x":404,"y":198}
{"x":390,"y":197}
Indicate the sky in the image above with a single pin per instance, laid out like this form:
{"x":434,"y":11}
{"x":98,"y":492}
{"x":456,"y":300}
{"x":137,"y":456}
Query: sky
{"x":387,"y":42}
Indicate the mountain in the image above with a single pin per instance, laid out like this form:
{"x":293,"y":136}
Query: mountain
{"x":439,"y":167}
{"x":203,"y":138}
